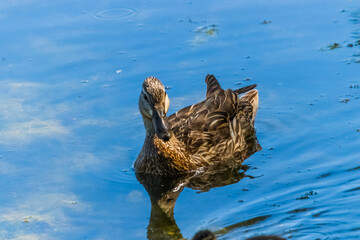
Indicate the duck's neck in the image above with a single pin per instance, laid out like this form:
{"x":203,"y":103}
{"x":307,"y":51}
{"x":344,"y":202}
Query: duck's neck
{"x":162,"y":157}
{"x":149,"y":127}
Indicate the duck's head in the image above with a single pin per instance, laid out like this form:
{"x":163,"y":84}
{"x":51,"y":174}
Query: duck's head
{"x":153,"y":105}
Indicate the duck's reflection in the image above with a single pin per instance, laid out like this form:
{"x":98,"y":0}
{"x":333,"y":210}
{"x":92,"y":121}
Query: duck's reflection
{"x":164,"y":191}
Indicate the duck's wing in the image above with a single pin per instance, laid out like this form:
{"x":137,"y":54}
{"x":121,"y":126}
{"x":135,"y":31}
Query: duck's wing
{"x":208,"y":115}
{"x":214,"y":113}
{"x":214,"y":89}
{"x":206,"y":127}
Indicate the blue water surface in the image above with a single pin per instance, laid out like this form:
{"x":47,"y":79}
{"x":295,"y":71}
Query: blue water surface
{"x":70,"y":129}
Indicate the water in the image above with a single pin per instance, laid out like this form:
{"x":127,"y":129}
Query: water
{"x":70,"y":77}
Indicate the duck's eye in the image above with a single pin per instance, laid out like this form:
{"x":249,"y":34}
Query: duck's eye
{"x":146,"y":98}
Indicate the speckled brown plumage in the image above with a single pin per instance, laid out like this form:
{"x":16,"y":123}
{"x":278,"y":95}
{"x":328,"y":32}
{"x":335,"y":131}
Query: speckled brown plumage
{"x":220,"y":128}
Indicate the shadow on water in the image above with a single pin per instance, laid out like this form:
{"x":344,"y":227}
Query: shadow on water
{"x":165,"y":190}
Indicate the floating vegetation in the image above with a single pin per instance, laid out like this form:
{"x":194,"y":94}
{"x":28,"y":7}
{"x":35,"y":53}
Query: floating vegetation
{"x":307,"y":195}
{"x":26,"y":219}
{"x":209,"y":30}
{"x":266,"y":22}
{"x":356,"y":43}
{"x":204,"y":32}
{"x":334,"y":46}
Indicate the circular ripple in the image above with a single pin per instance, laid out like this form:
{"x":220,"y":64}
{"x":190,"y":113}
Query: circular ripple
{"x":114,"y":13}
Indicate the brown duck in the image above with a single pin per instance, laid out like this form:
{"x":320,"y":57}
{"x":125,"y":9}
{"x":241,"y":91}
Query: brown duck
{"x":216,"y":130}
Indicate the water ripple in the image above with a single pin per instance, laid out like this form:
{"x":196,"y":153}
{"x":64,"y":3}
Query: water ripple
{"x":118,"y":177}
{"x":114,"y":13}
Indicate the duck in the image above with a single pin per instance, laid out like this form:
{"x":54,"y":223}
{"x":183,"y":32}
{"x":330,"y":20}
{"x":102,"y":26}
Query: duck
{"x":217,"y":129}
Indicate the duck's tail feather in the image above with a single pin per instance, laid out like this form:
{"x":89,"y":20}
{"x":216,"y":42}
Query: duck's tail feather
{"x":213,"y":86}
{"x":245,"y":89}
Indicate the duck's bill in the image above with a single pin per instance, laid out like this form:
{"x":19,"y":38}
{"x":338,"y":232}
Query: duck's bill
{"x":161,"y":125}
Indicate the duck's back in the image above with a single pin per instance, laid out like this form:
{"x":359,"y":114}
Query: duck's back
{"x":220,"y":127}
